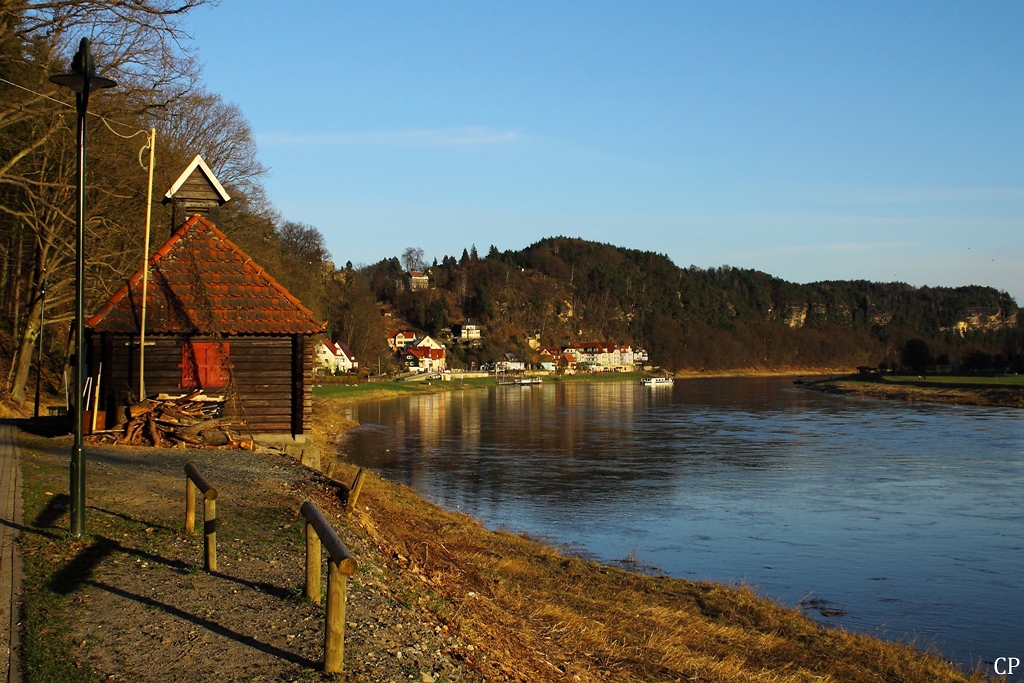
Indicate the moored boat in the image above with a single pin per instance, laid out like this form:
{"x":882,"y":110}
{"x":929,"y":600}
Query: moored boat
{"x":657,"y":381}
{"x":519,"y":381}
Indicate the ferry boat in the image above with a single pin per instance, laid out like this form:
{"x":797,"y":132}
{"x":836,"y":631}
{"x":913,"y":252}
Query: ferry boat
{"x":519,"y":381}
{"x":657,"y":381}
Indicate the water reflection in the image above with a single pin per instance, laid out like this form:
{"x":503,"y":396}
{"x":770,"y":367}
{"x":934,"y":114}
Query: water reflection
{"x":891,"y":518}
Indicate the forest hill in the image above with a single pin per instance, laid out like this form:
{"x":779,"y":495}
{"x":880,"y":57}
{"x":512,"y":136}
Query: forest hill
{"x":563,"y":290}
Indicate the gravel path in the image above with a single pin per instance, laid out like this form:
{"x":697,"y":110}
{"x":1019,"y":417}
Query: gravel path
{"x":144,"y":610}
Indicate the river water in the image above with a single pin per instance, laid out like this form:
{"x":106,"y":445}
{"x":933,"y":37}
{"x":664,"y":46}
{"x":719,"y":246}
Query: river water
{"x":904,"y":520}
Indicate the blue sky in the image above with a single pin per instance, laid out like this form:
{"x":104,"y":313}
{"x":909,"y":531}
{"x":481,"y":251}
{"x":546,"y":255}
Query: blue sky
{"x":814,"y":141}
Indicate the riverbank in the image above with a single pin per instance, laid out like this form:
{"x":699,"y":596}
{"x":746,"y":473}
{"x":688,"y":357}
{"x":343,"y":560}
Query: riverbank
{"x":438,"y":597}
{"x":1007,"y":390}
{"x":373,"y":391}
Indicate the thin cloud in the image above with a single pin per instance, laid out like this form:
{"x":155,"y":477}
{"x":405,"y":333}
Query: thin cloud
{"x":911,"y":195}
{"x":466,"y":136}
{"x":836,"y":247}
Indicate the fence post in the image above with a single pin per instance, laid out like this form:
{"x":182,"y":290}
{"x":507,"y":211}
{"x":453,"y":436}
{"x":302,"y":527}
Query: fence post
{"x":340,"y":566}
{"x":210,"y":533}
{"x":312,"y":564}
{"x":334,"y":632}
{"x":194,"y":480}
{"x":353,"y":493}
{"x":190,"y":506}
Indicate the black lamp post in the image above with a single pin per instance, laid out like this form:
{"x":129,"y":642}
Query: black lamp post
{"x":82,"y":80}
{"x":42,"y":312}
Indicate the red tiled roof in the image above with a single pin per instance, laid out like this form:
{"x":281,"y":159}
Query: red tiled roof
{"x":426,"y":352}
{"x":201,"y":282}
{"x":339,"y":349}
{"x":345,"y":351}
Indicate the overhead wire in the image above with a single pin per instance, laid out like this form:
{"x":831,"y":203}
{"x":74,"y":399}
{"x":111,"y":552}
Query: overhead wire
{"x":105,"y":120}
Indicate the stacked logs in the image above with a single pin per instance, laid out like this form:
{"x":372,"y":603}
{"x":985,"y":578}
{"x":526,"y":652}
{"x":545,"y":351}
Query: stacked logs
{"x":189,"y":420}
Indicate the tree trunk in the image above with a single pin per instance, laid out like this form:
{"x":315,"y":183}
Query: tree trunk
{"x":24,"y":355}
{"x":16,"y":282}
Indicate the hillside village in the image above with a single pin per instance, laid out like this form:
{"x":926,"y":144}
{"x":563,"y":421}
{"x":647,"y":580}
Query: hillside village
{"x":417,"y":353}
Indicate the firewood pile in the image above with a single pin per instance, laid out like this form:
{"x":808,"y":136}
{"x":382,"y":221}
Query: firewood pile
{"x":192,"y":419}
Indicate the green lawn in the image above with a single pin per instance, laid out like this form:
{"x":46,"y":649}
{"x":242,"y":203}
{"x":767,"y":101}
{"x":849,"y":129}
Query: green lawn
{"x":356,"y":390}
{"x":599,"y":377}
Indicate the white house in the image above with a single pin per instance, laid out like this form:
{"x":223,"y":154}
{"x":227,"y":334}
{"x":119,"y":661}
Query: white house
{"x":399,"y":340}
{"x":605,"y":356}
{"x":510,"y":363}
{"x":335,"y":358}
{"x":427,"y":343}
{"x":424,"y":358}
{"x":418,"y":280}
{"x":467,"y":331}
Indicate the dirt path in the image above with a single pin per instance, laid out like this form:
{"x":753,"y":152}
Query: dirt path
{"x":144,"y":610}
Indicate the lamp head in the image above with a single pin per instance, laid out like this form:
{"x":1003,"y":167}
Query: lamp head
{"x":83,"y":78}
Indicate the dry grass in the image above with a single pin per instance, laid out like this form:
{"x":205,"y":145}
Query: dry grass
{"x":980,"y":395}
{"x":534,"y":614}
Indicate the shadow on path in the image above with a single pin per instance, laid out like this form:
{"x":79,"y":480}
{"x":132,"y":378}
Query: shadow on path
{"x":211,"y":626}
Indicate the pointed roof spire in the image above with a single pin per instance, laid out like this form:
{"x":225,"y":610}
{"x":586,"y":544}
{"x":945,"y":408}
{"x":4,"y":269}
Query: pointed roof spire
{"x":201,"y":171}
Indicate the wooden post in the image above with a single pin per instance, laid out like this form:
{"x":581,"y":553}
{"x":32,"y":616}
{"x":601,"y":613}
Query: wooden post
{"x":353,"y":493}
{"x":96,"y":400}
{"x":190,"y":506}
{"x":340,"y":566}
{"x":196,"y":481}
{"x":334,"y":632}
{"x":312,"y":564}
{"x":145,"y":268}
{"x":210,"y":533}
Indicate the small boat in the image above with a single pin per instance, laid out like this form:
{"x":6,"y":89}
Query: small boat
{"x":519,"y":382}
{"x":657,"y":381}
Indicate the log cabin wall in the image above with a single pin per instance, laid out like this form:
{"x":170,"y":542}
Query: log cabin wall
{"x":302,"y":383}
{"x":266,"y":396}
{"x":262,"y":371}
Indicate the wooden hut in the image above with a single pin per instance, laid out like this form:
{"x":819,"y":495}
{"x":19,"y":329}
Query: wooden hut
{"x":215,"y":320}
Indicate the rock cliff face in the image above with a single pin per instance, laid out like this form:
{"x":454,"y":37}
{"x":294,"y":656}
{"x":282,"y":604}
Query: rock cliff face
{"x":984,"y":319}
{"x":796,"y":315}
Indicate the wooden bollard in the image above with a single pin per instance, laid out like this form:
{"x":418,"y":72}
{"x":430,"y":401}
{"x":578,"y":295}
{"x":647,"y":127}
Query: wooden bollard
{"x":312,"y":564}
{"x":210,"y":534}
{"x":190,"y":506}
{"x":334,"y":633}
{"x":194,"y":481}
{"x":340,"y":566}
{"x":353,"y":493}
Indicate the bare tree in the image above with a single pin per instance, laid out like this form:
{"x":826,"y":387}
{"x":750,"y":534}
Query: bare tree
{"x":139,"y":43}
{"x":413,"y":259}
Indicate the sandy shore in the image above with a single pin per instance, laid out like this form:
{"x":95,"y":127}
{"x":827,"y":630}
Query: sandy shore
{"x":1012,"y":397}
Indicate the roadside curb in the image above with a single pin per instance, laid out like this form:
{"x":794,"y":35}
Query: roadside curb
{"x":10,"y":550}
